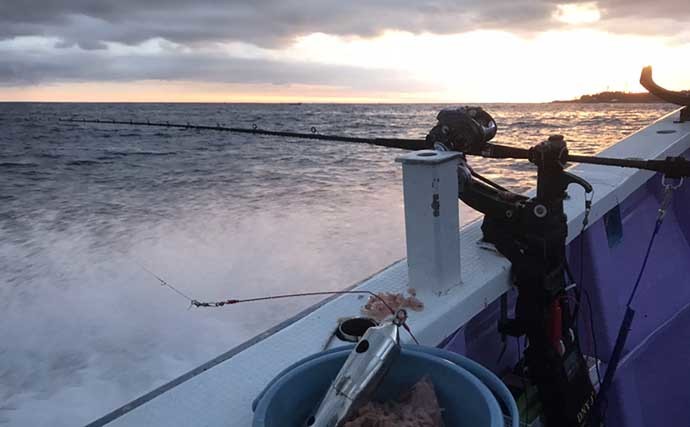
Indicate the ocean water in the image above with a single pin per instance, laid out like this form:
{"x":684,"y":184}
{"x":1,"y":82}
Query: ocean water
{"x":86,"y":209}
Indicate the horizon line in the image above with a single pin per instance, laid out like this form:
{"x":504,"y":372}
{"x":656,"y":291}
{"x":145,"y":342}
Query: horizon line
{"x":296,"y":103}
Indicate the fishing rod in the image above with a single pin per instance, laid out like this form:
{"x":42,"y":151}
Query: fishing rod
{"x":673,"y":167}
{"x":403,"y":143}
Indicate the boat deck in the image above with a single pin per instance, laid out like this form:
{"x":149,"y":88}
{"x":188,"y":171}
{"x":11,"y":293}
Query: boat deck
{"x":220,"y":393}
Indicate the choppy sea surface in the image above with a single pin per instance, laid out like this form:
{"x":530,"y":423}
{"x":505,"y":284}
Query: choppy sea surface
{"x":86,"y":209}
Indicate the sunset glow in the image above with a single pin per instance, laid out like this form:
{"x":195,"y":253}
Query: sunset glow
{"x":570,"y":50}
{"x":578,"y":13}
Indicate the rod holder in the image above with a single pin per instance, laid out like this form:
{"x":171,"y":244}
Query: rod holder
{"x":432,"y":223}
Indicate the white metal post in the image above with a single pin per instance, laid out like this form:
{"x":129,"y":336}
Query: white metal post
{"x":430,"y":189}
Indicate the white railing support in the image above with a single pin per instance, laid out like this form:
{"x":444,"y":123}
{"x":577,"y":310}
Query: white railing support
{"x":432,"y":223}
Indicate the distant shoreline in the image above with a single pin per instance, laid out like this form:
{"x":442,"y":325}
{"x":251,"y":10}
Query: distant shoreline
{"x":600,"y":98}
{"x":614,"y":97}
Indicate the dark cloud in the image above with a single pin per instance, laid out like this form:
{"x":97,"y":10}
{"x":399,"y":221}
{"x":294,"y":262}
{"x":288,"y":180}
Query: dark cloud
{"x":267,"y":22}
{"x":675,"y":10}
{"x":60,"y":65}
{"x":88,"y":23}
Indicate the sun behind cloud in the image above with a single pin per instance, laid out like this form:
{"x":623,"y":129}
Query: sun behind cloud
{"x":509,"y":51}
{"x":500,"y":66}
{"x":577,"y":13}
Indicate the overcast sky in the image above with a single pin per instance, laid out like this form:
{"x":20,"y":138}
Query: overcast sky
{"x":407,"y":50}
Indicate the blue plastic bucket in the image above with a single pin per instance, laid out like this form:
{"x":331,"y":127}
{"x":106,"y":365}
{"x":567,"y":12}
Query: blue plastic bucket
{"x":293,"y":395}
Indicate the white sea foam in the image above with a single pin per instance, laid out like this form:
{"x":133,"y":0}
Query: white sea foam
{"x":85,"y":329}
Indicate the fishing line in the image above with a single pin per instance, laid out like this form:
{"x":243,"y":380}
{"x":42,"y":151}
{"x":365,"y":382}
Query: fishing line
{"x":581,"y":288}
{"x":601,"y":404}
{"x":162,"y":281}
{"x":222,"y":303}
{"x":216,"y":304}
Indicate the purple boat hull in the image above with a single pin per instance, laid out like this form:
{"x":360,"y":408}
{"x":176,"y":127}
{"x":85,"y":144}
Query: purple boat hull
{"x":652,"y":384}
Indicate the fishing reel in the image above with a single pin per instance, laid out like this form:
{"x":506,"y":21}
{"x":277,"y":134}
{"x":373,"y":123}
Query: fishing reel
{"x":463,"y":129}
{"x":531,"y":233}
